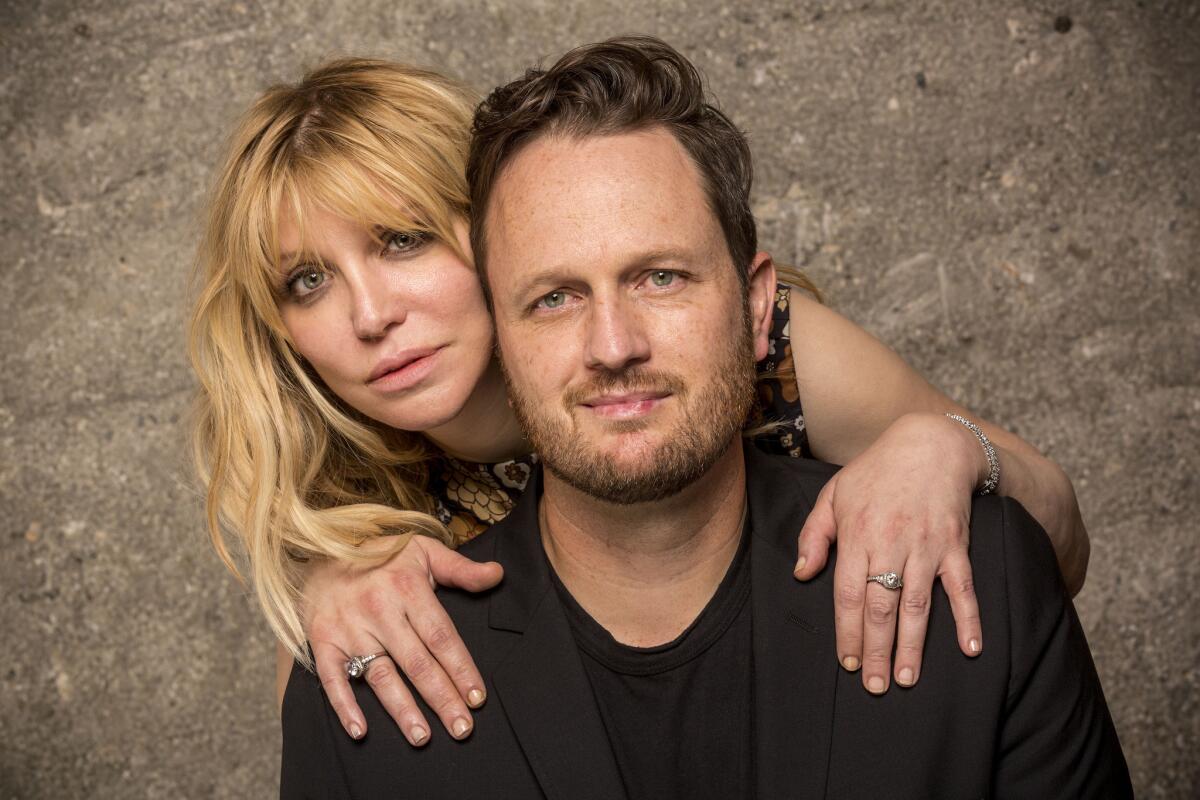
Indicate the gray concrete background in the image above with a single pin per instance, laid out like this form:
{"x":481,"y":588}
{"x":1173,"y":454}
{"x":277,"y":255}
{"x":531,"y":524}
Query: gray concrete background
{"x":1013,"y":207}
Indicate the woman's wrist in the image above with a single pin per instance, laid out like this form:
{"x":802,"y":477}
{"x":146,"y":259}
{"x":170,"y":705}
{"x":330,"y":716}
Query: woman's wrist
{"x":957,"y":447}
{"x":990,"y":481}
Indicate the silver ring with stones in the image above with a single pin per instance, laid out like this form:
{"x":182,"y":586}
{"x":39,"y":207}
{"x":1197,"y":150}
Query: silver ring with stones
{"x":888,"y":580}
{"x":356,"y":667}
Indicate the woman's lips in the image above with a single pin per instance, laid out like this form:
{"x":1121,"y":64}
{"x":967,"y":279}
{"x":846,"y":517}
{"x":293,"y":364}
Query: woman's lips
{"x":408,"y":375}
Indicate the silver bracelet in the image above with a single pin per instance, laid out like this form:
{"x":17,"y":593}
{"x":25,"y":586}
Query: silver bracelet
{"x":993,"y":478}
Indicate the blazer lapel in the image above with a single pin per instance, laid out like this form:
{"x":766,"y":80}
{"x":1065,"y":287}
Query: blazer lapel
{"x":541,"y":682}
{"x":795,"y":663}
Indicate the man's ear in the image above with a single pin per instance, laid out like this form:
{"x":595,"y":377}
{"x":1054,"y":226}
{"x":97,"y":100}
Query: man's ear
{"x":761,"y":277}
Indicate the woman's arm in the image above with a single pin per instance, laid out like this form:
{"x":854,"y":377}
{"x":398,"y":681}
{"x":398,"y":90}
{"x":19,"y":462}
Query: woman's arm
{"x":853,"y":388}
{"x":902,"y":502}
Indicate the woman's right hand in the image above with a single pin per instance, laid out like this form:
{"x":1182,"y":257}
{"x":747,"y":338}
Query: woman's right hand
{"x":391,"y":608}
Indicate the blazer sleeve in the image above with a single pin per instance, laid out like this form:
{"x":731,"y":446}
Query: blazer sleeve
{"x":310,"y":768}
{"x":1057,"y":738}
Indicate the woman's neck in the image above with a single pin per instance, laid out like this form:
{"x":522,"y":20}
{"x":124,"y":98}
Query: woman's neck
{"x":486,"y":430}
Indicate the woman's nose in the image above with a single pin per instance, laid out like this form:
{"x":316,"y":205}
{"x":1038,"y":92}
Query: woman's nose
{"x":376,"y":307}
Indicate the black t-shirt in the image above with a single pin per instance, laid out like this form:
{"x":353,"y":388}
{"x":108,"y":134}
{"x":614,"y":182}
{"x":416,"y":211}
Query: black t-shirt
{"x":679,"y":714}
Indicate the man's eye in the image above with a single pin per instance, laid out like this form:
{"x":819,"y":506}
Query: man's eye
{"x":306,"y":282}
{"x":662,"y":277}
{"x":403,"y":241}
{"x":553,"y":300}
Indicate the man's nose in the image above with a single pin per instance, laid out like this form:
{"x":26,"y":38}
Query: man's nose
{"x":375,"y":305}
{"x":616,"y":338}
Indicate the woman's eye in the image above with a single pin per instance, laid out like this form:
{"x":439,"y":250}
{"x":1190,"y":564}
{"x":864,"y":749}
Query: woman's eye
{"x":306,"y":282}
{"x":402,"y":241}
{"x":553,"y":300}
{"x":662,"y":277}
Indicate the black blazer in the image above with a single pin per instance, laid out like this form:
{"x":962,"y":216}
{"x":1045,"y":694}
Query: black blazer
{"x":1025,"y":719}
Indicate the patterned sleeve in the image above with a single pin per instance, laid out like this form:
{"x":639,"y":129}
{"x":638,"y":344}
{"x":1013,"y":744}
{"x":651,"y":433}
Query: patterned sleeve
{"x":778,"y":403}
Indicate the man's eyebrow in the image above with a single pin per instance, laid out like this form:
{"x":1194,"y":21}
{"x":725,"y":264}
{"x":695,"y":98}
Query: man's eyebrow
{"x":566,"y":273}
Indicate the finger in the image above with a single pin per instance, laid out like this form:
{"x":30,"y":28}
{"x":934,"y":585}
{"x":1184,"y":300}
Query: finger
{"x":331,"y":669}
{"x":849,"y":594}
{"x":396,"y":699}
{"x":437,"y":631}
{"x":452,"y":569}
{"x":879,"y":626}
{"x":959,"y":582}
{"x":429,"y":679}
{"x":819,"y":531}
{"x":914,"y":620}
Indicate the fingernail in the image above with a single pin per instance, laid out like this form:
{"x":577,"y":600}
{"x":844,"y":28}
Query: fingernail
{"x":475,"y":698}
{"x":974,"y":645}
{"x":906,"y":676}
{"x":355,"y":731}
{"x":460,"y":728}
{"x":850,"y":663}
{"x":800,"y":565}
{"x":418,"y":734}
{"x":875,"y":685}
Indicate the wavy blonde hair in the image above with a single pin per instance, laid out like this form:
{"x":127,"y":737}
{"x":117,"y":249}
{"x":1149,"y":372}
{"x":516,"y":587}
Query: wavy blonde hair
{"x":291,"y":472}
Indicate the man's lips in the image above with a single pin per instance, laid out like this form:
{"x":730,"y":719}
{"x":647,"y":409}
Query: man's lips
{"x":403,"y":369}
{"x":625,"y":405}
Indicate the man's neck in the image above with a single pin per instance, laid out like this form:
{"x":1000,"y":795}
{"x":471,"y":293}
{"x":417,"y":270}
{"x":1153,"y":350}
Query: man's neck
{"x":645,"y":571}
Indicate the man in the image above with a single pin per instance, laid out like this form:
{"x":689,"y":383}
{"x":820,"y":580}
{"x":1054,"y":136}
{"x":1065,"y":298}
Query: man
{"x":649,"y":639}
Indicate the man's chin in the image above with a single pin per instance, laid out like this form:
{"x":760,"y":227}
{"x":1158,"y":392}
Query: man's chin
{"x":634,"y":451}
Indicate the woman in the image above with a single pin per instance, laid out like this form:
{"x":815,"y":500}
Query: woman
{"x":349,"y":390}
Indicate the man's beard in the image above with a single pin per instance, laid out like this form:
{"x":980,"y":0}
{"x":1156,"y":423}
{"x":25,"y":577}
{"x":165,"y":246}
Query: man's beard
{"x":708,"y":418}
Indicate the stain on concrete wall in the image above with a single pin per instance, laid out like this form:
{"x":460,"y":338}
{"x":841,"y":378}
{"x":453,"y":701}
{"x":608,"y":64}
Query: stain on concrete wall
{"x":1006,"y":192}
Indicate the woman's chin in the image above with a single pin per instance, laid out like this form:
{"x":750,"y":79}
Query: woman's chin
{"x":417,"y":421}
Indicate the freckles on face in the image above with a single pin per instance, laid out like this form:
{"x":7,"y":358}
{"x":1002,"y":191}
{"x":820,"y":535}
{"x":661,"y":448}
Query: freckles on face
{"x":393,"y":323}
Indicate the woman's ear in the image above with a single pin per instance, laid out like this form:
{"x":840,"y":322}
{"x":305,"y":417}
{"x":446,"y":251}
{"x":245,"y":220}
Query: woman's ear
{"x":761,"y":278}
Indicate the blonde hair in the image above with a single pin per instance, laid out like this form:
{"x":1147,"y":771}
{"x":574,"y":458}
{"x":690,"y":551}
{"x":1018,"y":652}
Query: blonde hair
{"x":291,"y":472}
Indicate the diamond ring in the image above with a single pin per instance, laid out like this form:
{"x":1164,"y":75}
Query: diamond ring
{"x":356,"y":667}
{"x":888,"y":580}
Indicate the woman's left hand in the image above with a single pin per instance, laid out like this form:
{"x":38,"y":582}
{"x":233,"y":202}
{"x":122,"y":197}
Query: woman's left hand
{"x":904,"y":506}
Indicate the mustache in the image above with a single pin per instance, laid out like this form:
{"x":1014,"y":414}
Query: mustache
{"x":625,"y":381}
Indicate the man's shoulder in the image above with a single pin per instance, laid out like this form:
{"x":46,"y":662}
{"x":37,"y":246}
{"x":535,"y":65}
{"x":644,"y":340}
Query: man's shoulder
{"x":462,"y":605}
{"x":514,"y":544}
{"x":1003,"y":534}
{"x":808,"y":470}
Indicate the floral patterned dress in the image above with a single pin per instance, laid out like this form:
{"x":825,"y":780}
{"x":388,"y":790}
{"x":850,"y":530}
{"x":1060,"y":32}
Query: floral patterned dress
{"x":470,"y":496}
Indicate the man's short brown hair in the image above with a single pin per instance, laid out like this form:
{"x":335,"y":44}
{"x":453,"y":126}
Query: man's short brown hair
{"x":617,"y":86}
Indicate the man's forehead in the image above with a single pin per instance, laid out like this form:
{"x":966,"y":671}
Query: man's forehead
{"x":558,"y":188}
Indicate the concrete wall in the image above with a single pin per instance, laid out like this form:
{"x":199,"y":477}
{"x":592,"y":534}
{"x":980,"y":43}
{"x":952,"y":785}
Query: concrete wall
{"x":1008,"y":200}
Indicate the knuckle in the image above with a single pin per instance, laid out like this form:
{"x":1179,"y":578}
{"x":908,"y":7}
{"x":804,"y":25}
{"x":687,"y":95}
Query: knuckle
{"x":332,"y":683}
{"x":417,"y":667}
{"x":374,"y":602}
{"x":410,"y":583}
{"x":968,"y":619}
{"x":956,"y":531}
{"x":911,"y":649}
{"x":879,"y":611}
{"x":876,"y":654}
{"x":850,"y":596}
{"x":379,"y":676}
{"x":322,"y":630}
{"x":965,"y":587}
{"x":440,"y":638}
{"x":915,"y":604}
{"x":444,"y":701}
